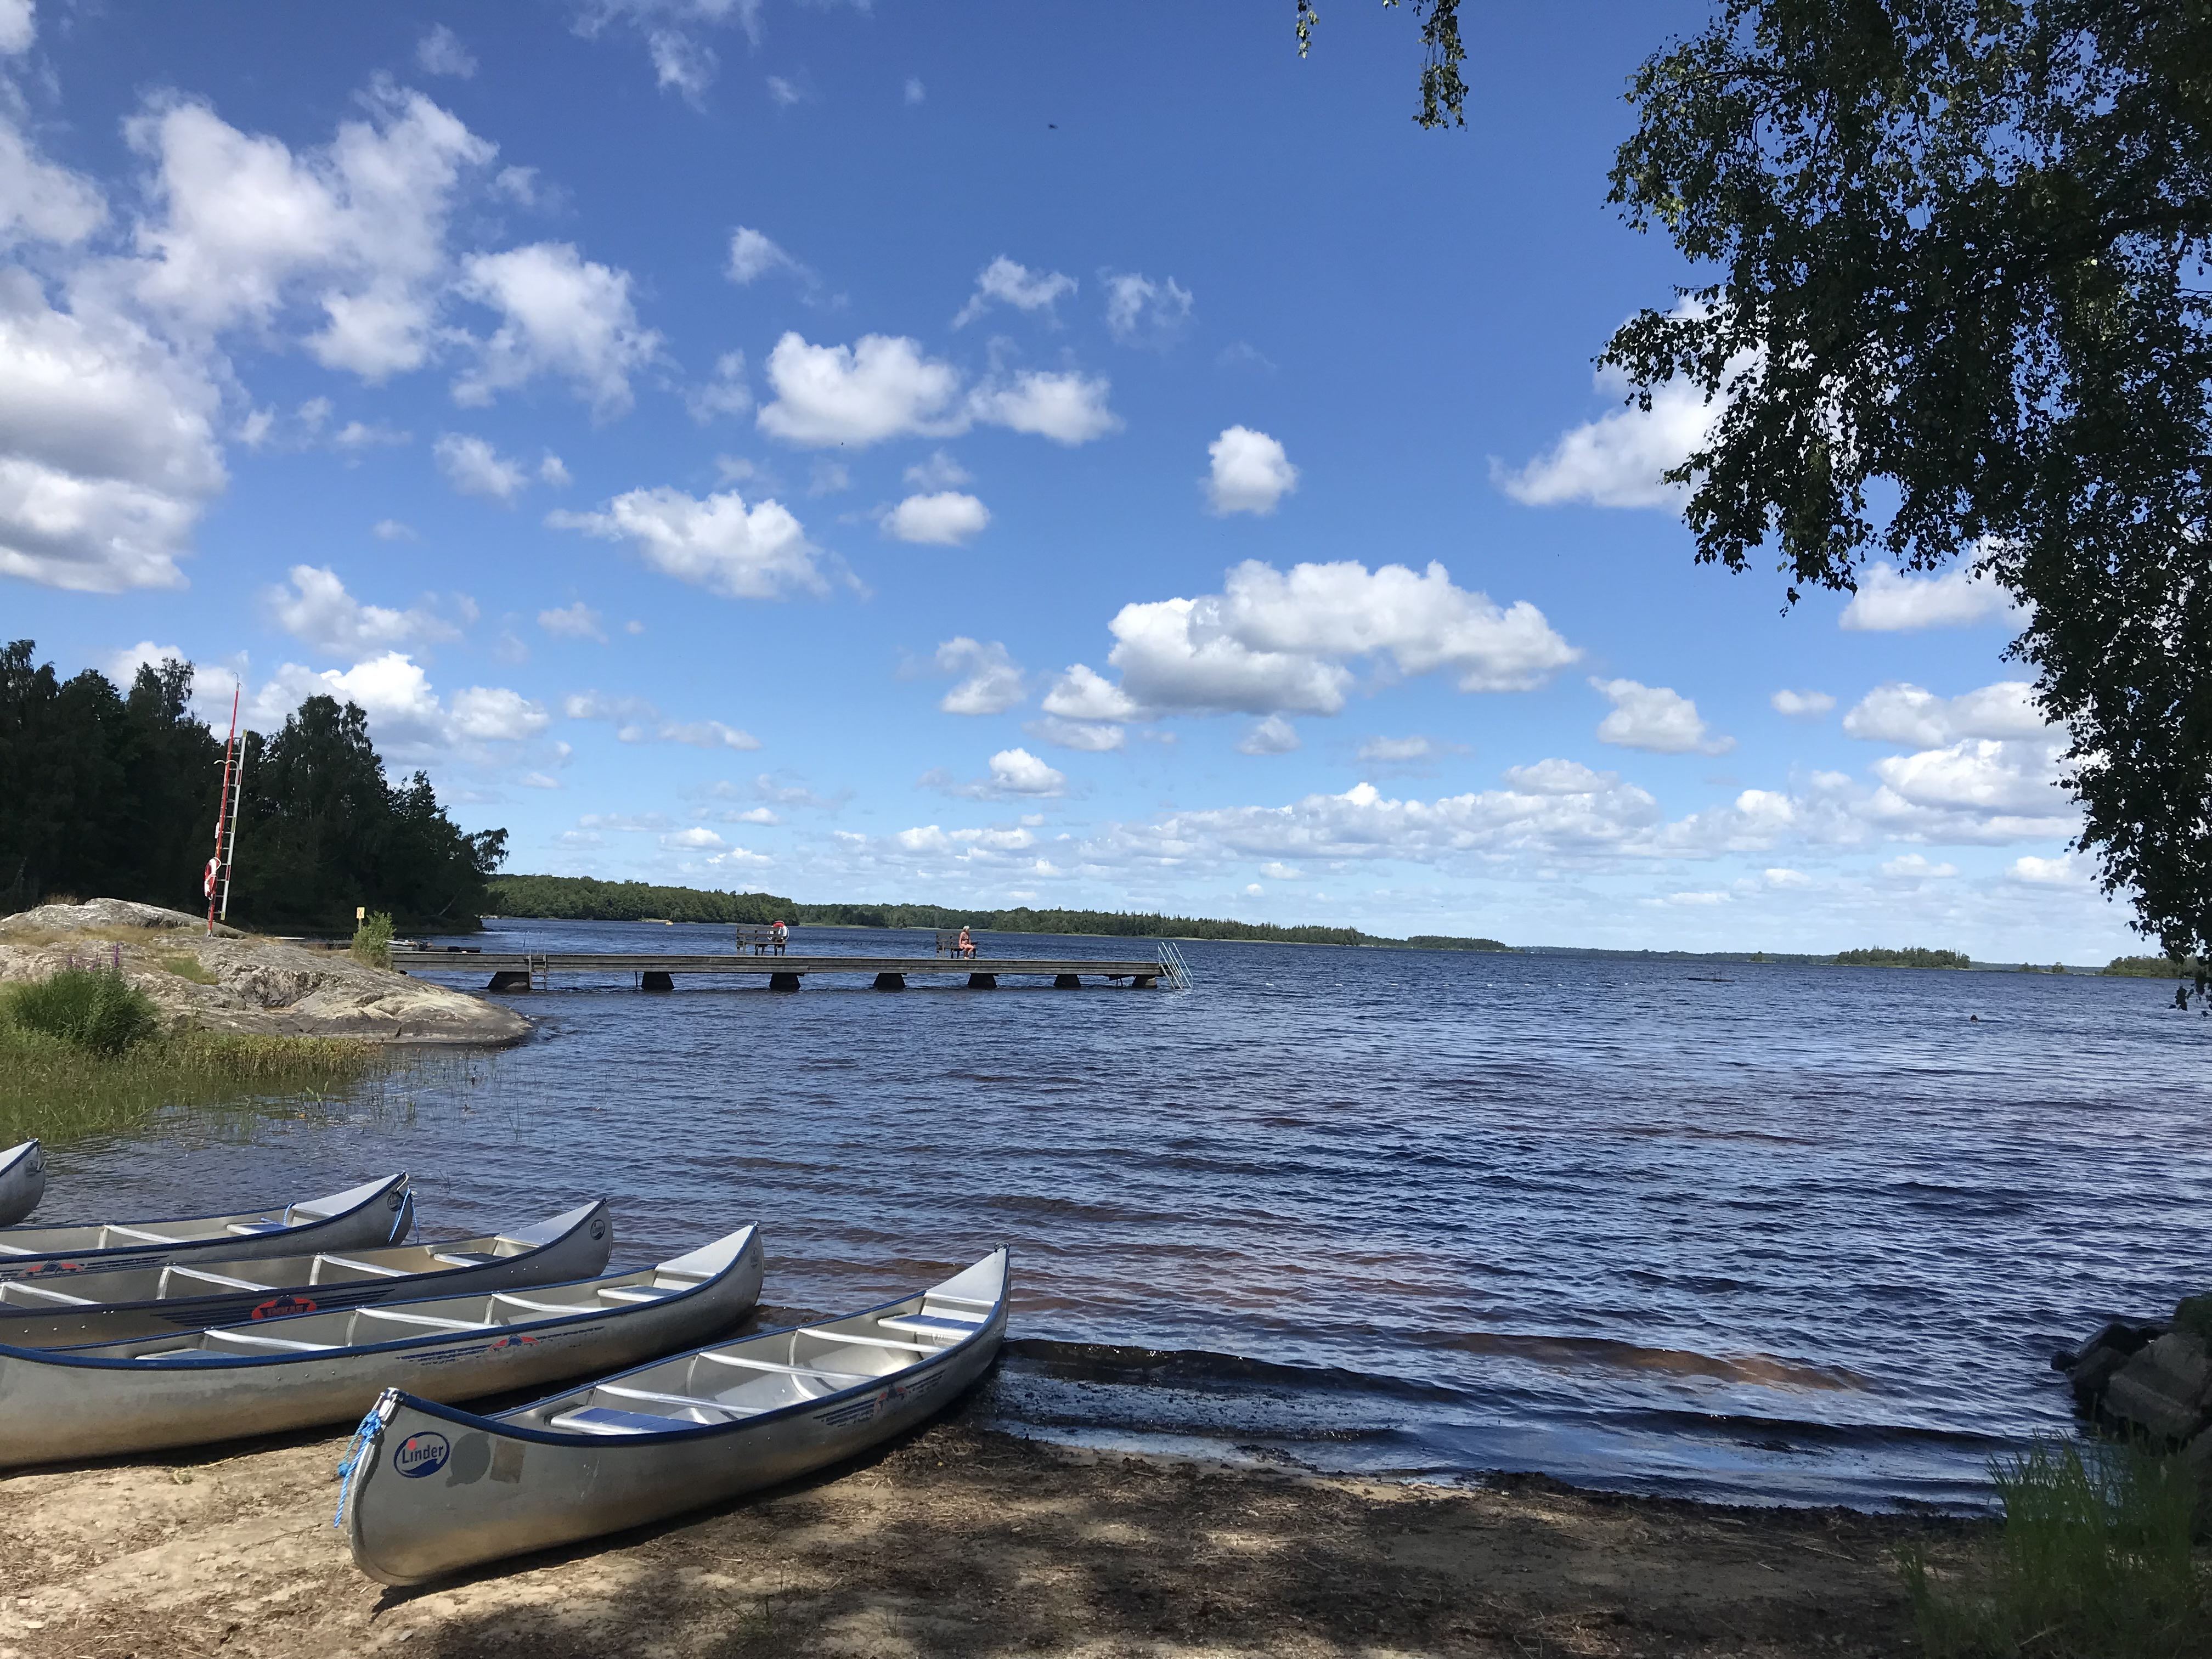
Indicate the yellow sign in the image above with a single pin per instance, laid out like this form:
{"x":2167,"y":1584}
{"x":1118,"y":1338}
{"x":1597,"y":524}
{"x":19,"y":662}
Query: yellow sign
{"x":360,"y":912}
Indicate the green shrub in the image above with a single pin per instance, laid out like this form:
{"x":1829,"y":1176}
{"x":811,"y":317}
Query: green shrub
{"x":2094,"y":1560}
{"x":93,"y":1008}
{"x":372,"y":940}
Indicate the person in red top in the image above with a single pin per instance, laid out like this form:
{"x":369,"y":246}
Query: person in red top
{"x":781,"y":935}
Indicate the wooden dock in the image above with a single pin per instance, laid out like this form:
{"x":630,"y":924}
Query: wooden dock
{"x":534,"y":971}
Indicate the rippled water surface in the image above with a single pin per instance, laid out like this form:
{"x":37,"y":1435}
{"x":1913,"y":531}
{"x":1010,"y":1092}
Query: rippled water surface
{"x":1798,"y":1235}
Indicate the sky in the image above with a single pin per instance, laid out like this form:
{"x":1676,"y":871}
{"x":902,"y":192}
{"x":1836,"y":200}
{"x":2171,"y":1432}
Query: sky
{"x":980,"y":455}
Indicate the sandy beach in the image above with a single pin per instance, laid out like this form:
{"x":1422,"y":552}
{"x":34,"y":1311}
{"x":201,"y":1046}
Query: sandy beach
{"x":959,"y":1540}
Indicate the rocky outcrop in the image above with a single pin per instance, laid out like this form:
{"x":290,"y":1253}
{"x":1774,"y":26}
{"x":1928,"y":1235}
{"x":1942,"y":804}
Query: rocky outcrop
{"x":2149,"y":1382}
{"x":237,"y":983}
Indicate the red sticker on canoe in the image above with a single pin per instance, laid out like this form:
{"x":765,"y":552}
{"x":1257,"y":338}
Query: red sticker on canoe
{"x":277,"y":1306}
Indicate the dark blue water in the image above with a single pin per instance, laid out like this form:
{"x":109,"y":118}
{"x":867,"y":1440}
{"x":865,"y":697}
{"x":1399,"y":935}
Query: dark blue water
{"x":1809,"y":1234}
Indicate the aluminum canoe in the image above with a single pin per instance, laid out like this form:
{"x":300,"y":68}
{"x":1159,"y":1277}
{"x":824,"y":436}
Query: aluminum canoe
{"x":49,"y":1312}
{"x":23,"y":1181}
{"x":61,"y":1404}
{"x":374,"y":1213}
{"x":430,"y":1490}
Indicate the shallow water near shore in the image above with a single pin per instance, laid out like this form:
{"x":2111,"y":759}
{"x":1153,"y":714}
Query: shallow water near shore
{"x":1767,"y":1234}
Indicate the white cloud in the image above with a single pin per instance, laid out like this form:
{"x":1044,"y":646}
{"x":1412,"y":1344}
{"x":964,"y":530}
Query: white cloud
{"x":1655,"y":718}
{"x":1559,"y":777}
{"x":554,"y":470}
{"x":494,"y":714}
{"x":1250,"y":473}
{"x":1276,"y":870}
{"x":1017,"y":772}
{"x":1141,"y":311}
{"x":356,"y":228}
{"x":939,"y":471}
{"x":518,"y":185}
{"x":708,"y":734}
{"x":1273,"y":735}
{"x":753,"y":255}
{"x":694,"y":839}
{"x":636,"y":721}
{"x":915,"y":91}
{"x":1801,"y":705}
{"x":108,"y":447}
{"x":441,"y":52}
{"x":1273,"y":643}
{"x":726,"y":394}
{"x":1005,"y":283}
{"x":1089,"y":737}
{"x":213,"y":684}
{"x":41,"y":202}
{"x":538,"y":781}
{"x":365,"y":435}
{"x":404,"y":713}
{"x":947,"y":519}
{"x":392,"y":530}
{"x":1617,"y":460}
{"x":1395,"y":752}
{"x":574,"y":621}
{"x":1786,"y":878}
{"x":1988,"y":779}
{"x":18,"y":27}
{"x":316,"y":610}
{"x":473,"y":467}
{"x":990,"y":680}
{"x":1889,"y":603}
{"x":681,"y":64}
{"x":884,"y":387}
{"x":1900,"y":712}
{"x":2061,"y":872}
{"x":1913,"y":866}
{"x":561,"y":315}
{"x":718,"y":544}
{"x":783,"y":92}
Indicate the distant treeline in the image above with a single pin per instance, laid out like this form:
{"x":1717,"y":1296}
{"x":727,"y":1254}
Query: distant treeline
{"x":584,"y":898}
{"x":1913,"y":956}
{"x":2155,"y":967}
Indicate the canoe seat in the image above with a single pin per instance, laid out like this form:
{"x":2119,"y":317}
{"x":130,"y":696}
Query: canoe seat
{"x":236,"y":1227}
{"x":696,"y":1401}
{"x":508,"y":1300}
{"x":936,"y":1325}
{"x":633,"y":1293}
{"x":246,"y":1340}
{"x":16,"y":1249}
{"x":202,"y":1276}
{"x":431,"y":1319}
{"x":17,"y":1289}
{"x":371,"y":1269}
{"x":138,"y":1233}
{"x":789,"y":1371}
{"x":870,"y":1341}
{"x":602,"y":1420}
{"x":465,"y":1258}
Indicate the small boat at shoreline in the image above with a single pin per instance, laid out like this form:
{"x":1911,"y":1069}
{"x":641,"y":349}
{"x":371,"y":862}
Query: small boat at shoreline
{"x":64,"y":1404}
{"x":23,"y":1181}
{"x":675,"y":1434}
{"x":374,"y":1213}
{"x":115,"y":1305}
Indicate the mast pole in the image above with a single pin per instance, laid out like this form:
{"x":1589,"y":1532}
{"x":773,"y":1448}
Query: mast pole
{"x":222,"y":812}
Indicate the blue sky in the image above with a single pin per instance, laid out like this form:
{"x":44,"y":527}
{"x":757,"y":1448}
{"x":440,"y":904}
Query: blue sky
{"x":971,"y":454}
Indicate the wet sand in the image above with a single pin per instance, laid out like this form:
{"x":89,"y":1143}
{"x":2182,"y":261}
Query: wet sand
{"x":959,"y":1541}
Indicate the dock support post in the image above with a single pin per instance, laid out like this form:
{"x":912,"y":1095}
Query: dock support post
{"x":1066,"y":983}
{"x":783,"y":981}
{"x":890,"y":982}
{"x":656,"y":980}
{"x":509,"y":980}
{"x":982,"y":981}
{"x":1144,"y":982}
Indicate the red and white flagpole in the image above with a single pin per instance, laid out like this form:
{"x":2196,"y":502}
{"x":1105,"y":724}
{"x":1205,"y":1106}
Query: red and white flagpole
{"x":216,"y":872}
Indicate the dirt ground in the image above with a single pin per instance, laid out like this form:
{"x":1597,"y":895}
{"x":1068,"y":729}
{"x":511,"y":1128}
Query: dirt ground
{"x":957,"y":1541}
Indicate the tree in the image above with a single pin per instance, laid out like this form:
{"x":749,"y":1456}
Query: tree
{"x":1960,"y":314}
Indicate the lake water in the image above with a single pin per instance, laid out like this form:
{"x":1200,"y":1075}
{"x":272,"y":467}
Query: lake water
{"x":1760,"y":1233}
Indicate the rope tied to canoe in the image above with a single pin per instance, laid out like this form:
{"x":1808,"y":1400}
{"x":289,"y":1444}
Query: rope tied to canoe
{"x":362,"y":1436}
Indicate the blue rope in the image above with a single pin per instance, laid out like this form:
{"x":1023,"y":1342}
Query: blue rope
{"x":369,"y":1424}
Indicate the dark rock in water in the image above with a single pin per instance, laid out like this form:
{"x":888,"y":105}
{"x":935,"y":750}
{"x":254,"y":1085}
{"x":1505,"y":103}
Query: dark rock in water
{"x":2164,"y":1388}
{"x":2090,"y":1367}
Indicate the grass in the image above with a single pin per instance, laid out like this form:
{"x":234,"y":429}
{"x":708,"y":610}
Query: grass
{"x":2094,"y":1562}
{"x":88,"y":1007}
{"x":188,"y":968}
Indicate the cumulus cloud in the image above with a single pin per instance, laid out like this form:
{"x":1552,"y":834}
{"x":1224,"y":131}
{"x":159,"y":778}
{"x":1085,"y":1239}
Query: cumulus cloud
{"x":2061,"y":872}
{"x":1802,"y":705}
{"x":1272,"y":735}
{"x":441,"y":52}
{"x":1014,"y":772}
{"x":41,"y":202}
{"x":1902,"y":713}
{"x":574,"y":621}
{"x":405,"y":714}
{"x":1395,"y":752}
{"x":1250,"y":473}
{"x":1617,"y":460}
{"x":719,"y":544}
{"x":561,"y":315}
{"x":1889,"y":603}
{"x":724,"y":392}
{"x":473,"y":467}
{"x":636,"y":721}
{"x":1005,"y":283}
{"x":1657,"y":719}
{"x":1088,"y":737}
{"x":884,"y":387}
{"x":1141,"y":311}
{"x":1914,"y":866}
{"x":1277,"y":642}
{"x":937,"y":470}
{"x":392,"y":530}
{"x":316,"y":610}
{"x":753,"y":255}
{"x":947,"y":519}
{"x":990,"y":681}
{"x":18,"y":27}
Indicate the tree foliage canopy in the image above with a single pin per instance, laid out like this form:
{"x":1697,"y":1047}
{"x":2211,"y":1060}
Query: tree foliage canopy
{"x":1960,"y":312}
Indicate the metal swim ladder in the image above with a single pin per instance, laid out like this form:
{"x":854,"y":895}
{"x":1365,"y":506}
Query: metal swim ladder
{"x":1174,"y":972}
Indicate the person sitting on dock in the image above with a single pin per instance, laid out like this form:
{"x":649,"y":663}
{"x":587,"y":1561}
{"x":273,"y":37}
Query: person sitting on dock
{"x":782,"y":936}
{"x":965,"y":944}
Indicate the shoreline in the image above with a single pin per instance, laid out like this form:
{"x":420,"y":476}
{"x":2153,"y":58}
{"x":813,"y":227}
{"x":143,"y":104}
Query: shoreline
{"x":961,"y":1539}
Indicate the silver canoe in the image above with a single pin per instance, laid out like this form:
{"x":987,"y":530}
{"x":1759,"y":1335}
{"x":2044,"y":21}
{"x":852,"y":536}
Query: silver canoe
{"x":112,"y":1307}
{"x":23,"y":1181}
{"x":669,"y":1437}
{"x":59,"y":1404}
{"x":376,"y":1212}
